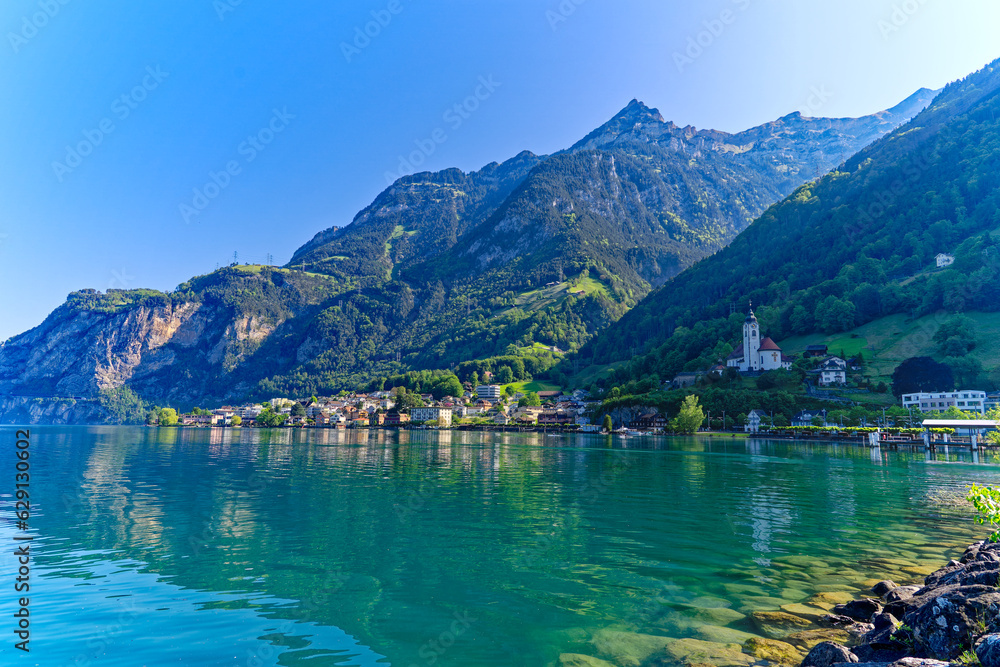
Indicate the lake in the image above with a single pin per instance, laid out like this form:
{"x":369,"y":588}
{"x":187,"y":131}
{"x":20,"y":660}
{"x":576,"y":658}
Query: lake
{"x":246,"y":547}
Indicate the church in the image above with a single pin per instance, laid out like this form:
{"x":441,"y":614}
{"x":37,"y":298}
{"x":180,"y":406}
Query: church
{"x":756,"y":355}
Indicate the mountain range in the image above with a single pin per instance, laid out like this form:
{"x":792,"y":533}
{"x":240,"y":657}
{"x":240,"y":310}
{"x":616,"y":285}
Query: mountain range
{"x":441,"y":268}
{"x":861,"y":244}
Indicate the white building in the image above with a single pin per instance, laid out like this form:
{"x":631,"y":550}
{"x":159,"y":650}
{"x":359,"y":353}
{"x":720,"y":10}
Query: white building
{"x":832,"y":372}
{"x":966,"y":400}
{"x":756,"y":355}
{"x":754,"y":421}
{"x":491,"y":392}
{"x":441,"y":415}
{"x":944,"y":260}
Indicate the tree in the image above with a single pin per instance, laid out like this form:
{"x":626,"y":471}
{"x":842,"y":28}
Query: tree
{"x":833,"y":315}
{"x":690,"y":417}
{"x":608,"y":425}
{"x":449,"y":386}
{"x":236,"y":420}
{"x":270,"y":419}
{"x":530,"y":399}
{"x":509,"y":391}
{"x":955,"y":337}
{"x":921,"y":374}
{"x":474,"y":380}
{"x":168,"y":417}
{"x":298,"y":410}
{"x":505,"y":375}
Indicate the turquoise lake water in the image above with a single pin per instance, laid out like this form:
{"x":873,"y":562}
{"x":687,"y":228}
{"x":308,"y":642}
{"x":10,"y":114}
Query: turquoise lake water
{"x":243,"y":547}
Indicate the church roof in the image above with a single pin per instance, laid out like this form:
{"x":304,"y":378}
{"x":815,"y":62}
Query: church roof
{"x":768,"y":345}
{"x":737,"y":353}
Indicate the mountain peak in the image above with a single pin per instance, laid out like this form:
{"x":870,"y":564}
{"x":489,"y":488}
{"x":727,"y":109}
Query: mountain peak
{"x":636,"y":116}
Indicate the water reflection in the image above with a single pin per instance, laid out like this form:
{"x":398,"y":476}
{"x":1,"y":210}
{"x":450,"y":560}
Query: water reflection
{"x":386,"y":539}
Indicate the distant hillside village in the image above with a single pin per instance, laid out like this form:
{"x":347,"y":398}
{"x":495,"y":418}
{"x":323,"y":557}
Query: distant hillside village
{"x":486,"y":405}
{"x":756,"y":360}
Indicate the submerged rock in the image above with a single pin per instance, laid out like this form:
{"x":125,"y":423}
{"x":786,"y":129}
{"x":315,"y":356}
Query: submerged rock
{"x":578,"y":660}
{"x":696,"y":652}
{"x":628,"y":649}
{"x":828,"y":653}
{"x":883,"y":587}
{"x":778,"y":624}
{"x":772,"y":650}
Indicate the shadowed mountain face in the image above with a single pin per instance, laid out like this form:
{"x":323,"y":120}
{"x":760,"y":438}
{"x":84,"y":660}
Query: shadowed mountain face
{"x":858,"y":245}
{"x":444,"y":267}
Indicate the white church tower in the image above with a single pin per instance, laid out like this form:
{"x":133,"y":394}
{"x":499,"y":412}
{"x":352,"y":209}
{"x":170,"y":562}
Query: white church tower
{"x":751,"y":343}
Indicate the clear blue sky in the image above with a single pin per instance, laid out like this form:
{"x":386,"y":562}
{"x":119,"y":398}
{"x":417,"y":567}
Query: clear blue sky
{"x":201,"y":76}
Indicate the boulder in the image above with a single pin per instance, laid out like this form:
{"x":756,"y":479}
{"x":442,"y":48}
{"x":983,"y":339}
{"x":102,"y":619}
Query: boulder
{"x":835,"y":621}
{"x":946,"y":624}
{"x":860,"y":610}
{"x":978,"y":572}
{"x":919,"y":662}
{"x":828,"y":653}
{"x":882,"y":636}
{"x":867,"y":653}
{"x":988,"y":650}
{"x":883,"y":587}
{"x":773,"y":651}
{"x":807,"y":639}
{"x":901,"y":593}
{"x":778,"y":624}
{"x":578,"y":660}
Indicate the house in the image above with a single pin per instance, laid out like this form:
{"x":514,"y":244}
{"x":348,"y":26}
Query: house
{"x":965,"y":400}
{"x":756,"y":355}
{"x":816,"y":351}
{"x":549,"y":395}
{"x":440,"y":415}
{"x":491,"y":392}
{"x":501,"y":419}
{"x":396,"y":419}
{"x":556,"y":417}
{"x":526,"y":415}
{"x":805,"y":418}
{"x":755,"y":420}
{"x":648,"y":420}
{"x":992,"y":402}
{"x":944,"y":259}
{"x":832,"y":371}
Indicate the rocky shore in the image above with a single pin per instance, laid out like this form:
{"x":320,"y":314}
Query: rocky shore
{"x":951,"y":618}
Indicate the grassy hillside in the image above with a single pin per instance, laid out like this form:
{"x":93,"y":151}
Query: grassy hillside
{"x":888,"y":341}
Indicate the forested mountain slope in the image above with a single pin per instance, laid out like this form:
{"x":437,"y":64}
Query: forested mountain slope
{"x":856,"y":245}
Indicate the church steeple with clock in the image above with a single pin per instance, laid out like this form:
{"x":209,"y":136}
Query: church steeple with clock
{"x":757,"y":354}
